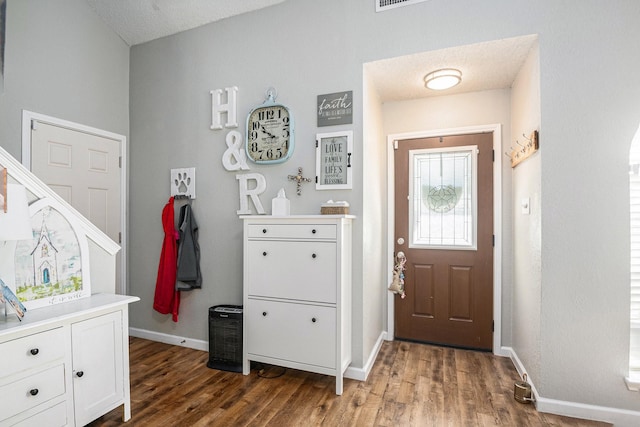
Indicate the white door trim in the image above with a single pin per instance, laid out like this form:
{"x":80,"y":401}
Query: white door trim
{"x":497,"y":220}
{"x":29,"y":116}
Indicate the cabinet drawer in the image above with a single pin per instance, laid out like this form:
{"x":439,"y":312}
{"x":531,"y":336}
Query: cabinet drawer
{"x":294,"y":332}
{"x":291,"y":231}
{"x":56,"y":416}
{"x":32,"y":351}
{"x":28,"y":392}
{"x":292,"y":270}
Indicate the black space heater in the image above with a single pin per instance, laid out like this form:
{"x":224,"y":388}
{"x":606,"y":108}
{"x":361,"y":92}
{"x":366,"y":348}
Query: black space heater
{"x":225,"y":338}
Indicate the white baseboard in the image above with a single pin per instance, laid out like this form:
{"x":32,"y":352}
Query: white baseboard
{"x":502,"y":351}
{"x":619,"y":417}
{"x":510,"y":353}
{"x":361,"y":374}
{"x":169,"y":339}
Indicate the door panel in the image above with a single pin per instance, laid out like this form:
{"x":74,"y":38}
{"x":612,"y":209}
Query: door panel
{"x":63,"y":191}
{"x":83,"y":169}
{"x":446,"y":222}
{"x":85,"y":164}
{"x":460,"y":293}
{"x":424,"y":300}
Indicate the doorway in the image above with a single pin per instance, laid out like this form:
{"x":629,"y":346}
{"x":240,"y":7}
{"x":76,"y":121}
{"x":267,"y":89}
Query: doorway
{"x":494,"y":135}
{"x":86,"y":168}
{"x":443,"y":217}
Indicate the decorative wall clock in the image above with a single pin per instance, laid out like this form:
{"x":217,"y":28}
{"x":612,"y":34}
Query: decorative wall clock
{"x":269,"y":132}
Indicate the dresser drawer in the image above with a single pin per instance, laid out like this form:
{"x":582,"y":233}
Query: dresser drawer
{"x":291,"y":231}
{"x":30,"y":391}
{"x":55,"y":416}
{"x":291,"y":270}
{"x":32,"y":351}
{"x":293,"y":332}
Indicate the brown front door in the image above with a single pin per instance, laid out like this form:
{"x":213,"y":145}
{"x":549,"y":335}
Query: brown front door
{"x":444,"y":226}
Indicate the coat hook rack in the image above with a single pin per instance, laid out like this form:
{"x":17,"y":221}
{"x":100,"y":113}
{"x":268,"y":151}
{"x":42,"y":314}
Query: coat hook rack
{"x":183,"y":183}
{"x":526,"y":150}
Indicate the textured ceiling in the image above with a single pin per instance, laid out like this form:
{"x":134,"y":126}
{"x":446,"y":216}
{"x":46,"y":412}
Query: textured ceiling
{"x":484,"y":66}
{"x":139,"y":21}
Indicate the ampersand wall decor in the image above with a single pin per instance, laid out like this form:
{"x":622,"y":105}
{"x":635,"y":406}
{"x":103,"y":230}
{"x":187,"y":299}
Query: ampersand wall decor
{"x":235,"y":151}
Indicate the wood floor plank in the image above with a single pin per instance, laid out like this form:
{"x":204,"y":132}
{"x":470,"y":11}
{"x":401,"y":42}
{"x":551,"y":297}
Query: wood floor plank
{"x":410,"y":384}
{"x":342,"y":409}
{"x":290,"y":383}
{"x":296,"y":408}
{"x":421,"y":408}
{"x":369,"y":408}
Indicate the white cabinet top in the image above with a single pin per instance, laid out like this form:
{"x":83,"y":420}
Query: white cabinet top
{"x":297,"y":217}
{"x":44,"y":316}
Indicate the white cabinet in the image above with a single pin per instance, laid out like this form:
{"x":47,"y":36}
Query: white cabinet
{"x":98,"y":373}
{"x":297,"y":293}
{"x":66,"y":364}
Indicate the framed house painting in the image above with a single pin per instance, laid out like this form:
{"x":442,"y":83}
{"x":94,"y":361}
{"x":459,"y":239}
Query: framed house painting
{"x":53,"y":267}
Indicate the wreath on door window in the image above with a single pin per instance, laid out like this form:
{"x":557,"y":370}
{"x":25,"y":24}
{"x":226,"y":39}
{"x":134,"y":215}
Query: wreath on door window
{"x":441,"y":198}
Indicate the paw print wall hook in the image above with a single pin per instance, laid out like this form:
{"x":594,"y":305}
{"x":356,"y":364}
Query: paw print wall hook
{"x":183,"y":182}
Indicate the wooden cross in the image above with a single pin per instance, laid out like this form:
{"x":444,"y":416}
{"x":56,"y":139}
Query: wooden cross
{"x":299,"y":179}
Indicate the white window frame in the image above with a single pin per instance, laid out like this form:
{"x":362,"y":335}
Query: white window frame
{"x":633,"y":379}
{"x":473,"y":149}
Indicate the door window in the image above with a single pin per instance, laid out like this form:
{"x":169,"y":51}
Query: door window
{"x":443,"y":198}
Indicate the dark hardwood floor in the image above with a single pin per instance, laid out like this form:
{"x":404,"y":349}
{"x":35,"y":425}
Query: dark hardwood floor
{"x":410,"y":385}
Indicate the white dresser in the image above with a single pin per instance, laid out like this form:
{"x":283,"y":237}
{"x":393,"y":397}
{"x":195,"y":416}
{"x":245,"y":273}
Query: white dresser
{"x":66,"y":364}
{"x":297,"y":293}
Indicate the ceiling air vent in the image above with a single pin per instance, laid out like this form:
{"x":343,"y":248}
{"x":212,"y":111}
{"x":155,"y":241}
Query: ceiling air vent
{"x":382,"y":5}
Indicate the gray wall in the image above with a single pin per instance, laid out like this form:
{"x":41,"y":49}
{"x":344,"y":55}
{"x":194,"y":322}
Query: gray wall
{"x":587,"y":129}
{"x":371,"y":306}
{"x":170,"y":118}
{"x":526,"y":255}
{"x":61,"y":60}
{"x":584,"y":279}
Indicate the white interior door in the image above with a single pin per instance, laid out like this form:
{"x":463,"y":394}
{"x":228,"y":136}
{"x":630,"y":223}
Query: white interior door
{"x":84,"y":169}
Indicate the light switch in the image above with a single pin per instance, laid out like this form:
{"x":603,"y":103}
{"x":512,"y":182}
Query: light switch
{"x":525,"y":206}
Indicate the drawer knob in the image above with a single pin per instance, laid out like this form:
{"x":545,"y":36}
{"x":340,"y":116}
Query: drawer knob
{"x":79,"y":374}
{"x":314,"y":320}
{"x":33,"y":391}
{"x":264,"y":231}
{"x":264,"y":254}
{"x":313,"y":231}
{"x":34,"y":351}
{"x":264,"y":313}
{"x":314,"y":256}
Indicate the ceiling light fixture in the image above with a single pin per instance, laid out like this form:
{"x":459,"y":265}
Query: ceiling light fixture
{"x":442,"y":79}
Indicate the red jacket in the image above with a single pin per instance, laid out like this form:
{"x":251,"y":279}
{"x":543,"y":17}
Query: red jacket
{"x":167,"y":298}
